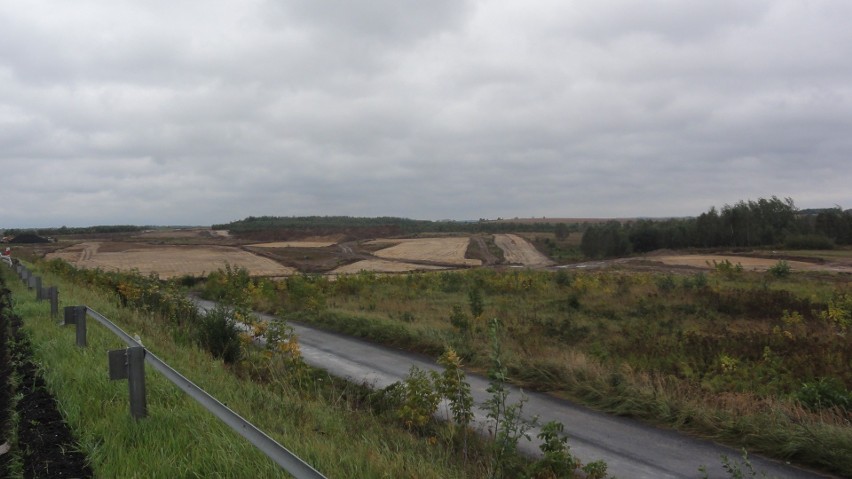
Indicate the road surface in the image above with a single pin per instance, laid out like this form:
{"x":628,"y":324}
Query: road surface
{"x":631,"y":449}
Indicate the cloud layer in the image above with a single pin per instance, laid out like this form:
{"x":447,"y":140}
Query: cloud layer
{"x":203,"y":112}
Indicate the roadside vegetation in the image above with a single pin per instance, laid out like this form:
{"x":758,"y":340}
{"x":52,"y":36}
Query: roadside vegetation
{"x":754,"y":360}
{"x":329,"y":423}
{"x":315,"y":415}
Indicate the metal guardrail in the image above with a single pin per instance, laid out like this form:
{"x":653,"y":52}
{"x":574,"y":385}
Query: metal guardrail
{"x":275,"y":451}
{"x":282,"y":456}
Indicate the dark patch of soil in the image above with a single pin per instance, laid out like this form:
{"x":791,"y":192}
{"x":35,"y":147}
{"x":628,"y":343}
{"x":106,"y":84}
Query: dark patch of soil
{"x":478,"y":249}
{"x":350,"y":233}
{"x":28,"y":238}
{"x":306,"y":260}
{"x":5,"y":388}
{"x":45,"y":443}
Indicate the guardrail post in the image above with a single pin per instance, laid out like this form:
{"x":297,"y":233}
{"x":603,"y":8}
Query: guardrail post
{"x":53,"y":295}
{"x":32,"y":282}
{"x":130,"y":364}
{"x":77,"y":315}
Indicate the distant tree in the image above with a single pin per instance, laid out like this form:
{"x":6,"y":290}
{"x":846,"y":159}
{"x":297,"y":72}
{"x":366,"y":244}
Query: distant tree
{"x":608,"y":240}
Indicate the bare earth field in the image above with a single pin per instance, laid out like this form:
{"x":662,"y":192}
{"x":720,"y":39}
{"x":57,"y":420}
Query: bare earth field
{"x":295,"y":244}
{"x":167,"y":261}
{"x":182,"y":233}
{"x":748,"y":263}
{"x":447,"y":251}
{"x":383,"y":266}
{"x":517,"y":250}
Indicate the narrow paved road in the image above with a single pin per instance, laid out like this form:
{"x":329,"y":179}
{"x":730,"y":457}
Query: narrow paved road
{"x":631,"y":449}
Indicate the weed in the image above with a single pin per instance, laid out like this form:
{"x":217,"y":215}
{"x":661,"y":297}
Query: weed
{"x":557,"y":461}
{"x":509,"y":426}
{"x":781,"y":269}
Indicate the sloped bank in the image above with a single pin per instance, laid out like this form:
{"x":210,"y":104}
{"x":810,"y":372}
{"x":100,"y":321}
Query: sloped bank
{"x":39,"y":442}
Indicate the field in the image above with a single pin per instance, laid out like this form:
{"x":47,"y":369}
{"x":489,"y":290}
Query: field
{"x":442,"y":251}
{"x":295,"y":244}
{"x":166,"y":261}
{"x":383,"y":266}
{"x":198,"y":251}
{"x":750,"y":263}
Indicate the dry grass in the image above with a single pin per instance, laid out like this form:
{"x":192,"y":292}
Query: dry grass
{"x":450,"y":251}
{"x":167,"y":261}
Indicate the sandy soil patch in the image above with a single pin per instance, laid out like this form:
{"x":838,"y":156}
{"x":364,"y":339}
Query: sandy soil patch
{"x":295,"y":244}
{"x":517,"y":250}
{"x":169,"y":261}
{"x":752,"y":264}
{"x":437,"y":250}
{"x":383,"y":266}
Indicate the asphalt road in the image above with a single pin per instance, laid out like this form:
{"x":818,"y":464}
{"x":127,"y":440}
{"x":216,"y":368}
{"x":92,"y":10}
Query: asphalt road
{"x":630,"y":448}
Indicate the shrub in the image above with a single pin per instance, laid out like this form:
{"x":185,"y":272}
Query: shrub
{"x":459,"y":319}
{"x":665,"y":283}
{"x":781,"y":269}
{"x":696,"y":281}
{"x":420,"y":398}
{"x":557,"y":460}
{"x":474,"y":297}
{"x":219,"y":334}
{"x":824,"y":393}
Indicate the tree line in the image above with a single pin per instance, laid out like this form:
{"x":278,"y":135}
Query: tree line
{"x":403,"y":225}
{"x":765,"y":222}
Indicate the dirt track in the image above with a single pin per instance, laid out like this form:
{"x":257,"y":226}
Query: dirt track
{"x":517,"y":250}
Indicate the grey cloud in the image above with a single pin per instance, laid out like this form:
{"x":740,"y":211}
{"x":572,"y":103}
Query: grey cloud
{"x":200,"y":113}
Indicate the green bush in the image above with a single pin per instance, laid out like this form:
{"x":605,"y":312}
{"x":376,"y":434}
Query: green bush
{"x":781,"y":269}
{"x":825,"y":393}
{"x":219,"y":334}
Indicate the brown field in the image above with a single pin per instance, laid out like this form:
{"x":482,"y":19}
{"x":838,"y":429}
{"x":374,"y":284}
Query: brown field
{"x":181,"y":233}
{"x":295,"y":244}
{"x":448,"y":251}
{"x":383,"y":266}
{"x":517,"y":250}
{"x":748,"y":263}
{"x":166,"y":261}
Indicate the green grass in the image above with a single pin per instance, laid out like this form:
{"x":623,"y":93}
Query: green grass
{"x":181,"y":439}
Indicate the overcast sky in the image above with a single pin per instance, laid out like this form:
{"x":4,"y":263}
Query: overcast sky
{"x":197,"y":112}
